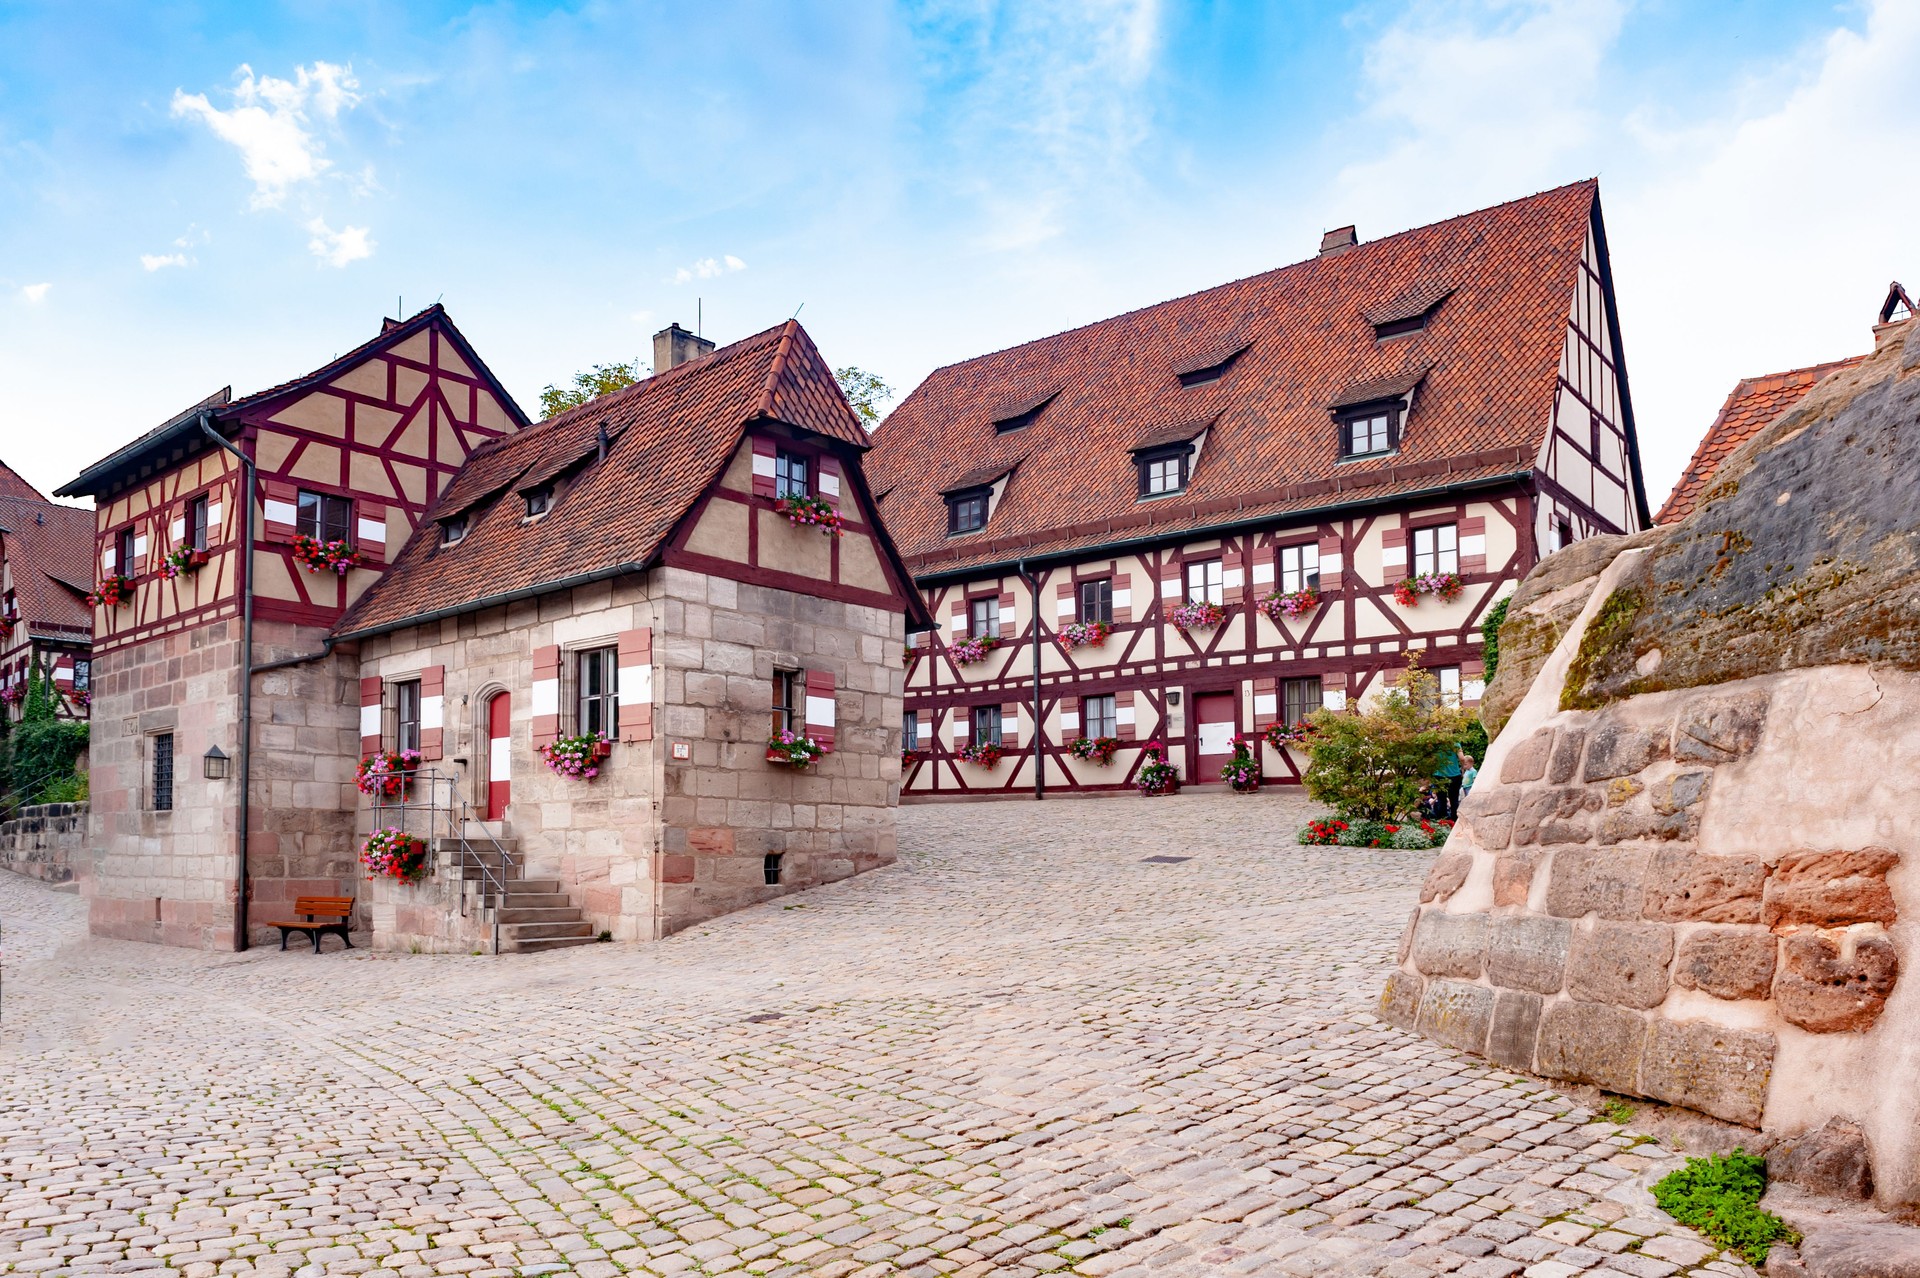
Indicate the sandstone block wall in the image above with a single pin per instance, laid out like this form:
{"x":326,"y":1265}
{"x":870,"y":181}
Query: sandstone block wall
{"x":47,"y":842}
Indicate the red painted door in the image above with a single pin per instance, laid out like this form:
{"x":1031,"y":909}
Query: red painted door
{"x":499,"y":756}
{"x":1213,"y":729}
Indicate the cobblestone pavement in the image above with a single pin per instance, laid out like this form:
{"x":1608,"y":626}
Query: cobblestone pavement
{"x":1025,"y":1050}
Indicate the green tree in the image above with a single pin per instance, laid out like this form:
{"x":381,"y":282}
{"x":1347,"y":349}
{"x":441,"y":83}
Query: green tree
{"x":44,"y":746}
{"x":865,"y":391}
{"x":599,"y":380}
{"x":1369,"y":763}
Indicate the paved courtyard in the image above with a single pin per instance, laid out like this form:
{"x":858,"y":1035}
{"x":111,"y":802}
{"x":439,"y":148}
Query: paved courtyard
{"x":1024,"y":1050}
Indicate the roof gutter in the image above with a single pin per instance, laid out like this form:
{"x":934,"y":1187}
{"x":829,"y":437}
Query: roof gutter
{"x":241,"y":884}
{"x":493,"y":601}
{"x":1188,"y":534}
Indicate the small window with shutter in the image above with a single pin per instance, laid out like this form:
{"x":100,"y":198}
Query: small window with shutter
{"x":325,"y":517}
{"x":598,"y":688}
{"x":123,"y":544}
{"x":984,"y":616}
{"x":197,"y":524}
{"x":789,"y":701}
{"x":406,"y":715}
{"x":986,"y":725}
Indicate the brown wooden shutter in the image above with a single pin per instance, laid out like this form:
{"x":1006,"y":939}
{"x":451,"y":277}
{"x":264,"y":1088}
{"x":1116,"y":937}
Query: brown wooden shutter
{"x":636,"y":685}
{"x":1331,"y":563}
{"x":370,"y":530}
{"x":822,"y":708}
{"x":1122,"y":599}
{"x":958,"y":623}
{"x":1262,"y":576}
{"x":1010,"y":726}
{"x":1066,"y":603}
{"x":433,"y":694}
{"x":1233,"y":576}
{"x":143,"y":550}
{"x":1266,"y":702}
{"x":764,"y":450}
{"x":280,"y":509}
{"x":1395,"y":564}
{"x":1123,"y":715}
{"x":370,"y":691}
{"x":830,"y":480}
{"x":546,"y":694}
{"x":1173,"y":589}
{"x":1009,"y":622}
{"x":1473,"y":537}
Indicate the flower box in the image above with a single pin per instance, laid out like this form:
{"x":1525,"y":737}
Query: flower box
{"x":794,"y":749}
{"x":336,"y":557}
{"x":395,"y":854}
{"x":11,"y":695}
{"x":1291,"y":603}
{"x":811,"y":512}
{"x":1282,"y":735}
{"x":1098,"y":750}
{"x":1083,"y":634}
{"x":972,"y":649}
{"x":576,"y":756}
{"x":183,"y":560}
{"x":1198,"y":616}
{"x":387,"y":773}
{"x":1444,"y":586}
{"x":112,"y":592}
{"x":981,"y":756}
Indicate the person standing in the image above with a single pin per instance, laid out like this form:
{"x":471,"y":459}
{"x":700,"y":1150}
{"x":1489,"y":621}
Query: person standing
{"x":1446,"y":782}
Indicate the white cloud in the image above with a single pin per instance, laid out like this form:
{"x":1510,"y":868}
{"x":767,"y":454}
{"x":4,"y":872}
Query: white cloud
{"x":34,"y":293}
{"x":270,"y":123}
{"x":160,"y":261}
{"x":709,"y":268}
{"x":337,"y":248}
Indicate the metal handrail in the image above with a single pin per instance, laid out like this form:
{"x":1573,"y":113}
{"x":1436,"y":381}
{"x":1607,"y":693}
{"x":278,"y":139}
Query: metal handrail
{"x":497,"y":883}
{"x":452,"y":820}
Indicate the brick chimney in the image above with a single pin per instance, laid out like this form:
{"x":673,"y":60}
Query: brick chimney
{"x":674,"y":346}
{"x":1342,"y":237}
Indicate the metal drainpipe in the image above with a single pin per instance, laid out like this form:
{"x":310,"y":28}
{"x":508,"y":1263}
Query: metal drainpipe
{"x":1039,"y":759}
{"x":246,"y":678}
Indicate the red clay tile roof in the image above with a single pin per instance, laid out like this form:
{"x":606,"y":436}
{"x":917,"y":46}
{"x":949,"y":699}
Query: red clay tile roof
{"x":676,"y":432}
{"x":1755,"y":401}
{"x":1491,"y":356}
{"x":11,"y":485}
{"x":51,"y":550}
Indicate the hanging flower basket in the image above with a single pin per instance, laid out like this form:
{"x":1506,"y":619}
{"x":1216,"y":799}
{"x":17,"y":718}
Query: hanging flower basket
{"x":1098,"y":750}
{"x":1083,"y":634}
{"x":1198,"y":616}
{"x":1243,"y":770}
{"x":972,"y":649}
{"x":1282,"y":735}
{"x":396,"y":855}
{"x":11,"y":695}
{"x":814,"y":512}
{"x":387,"y":774}
{"x":577,"y":756}
{"x":1291,"y":603}
{"x":336,"y":557}
{"x":80,"y":699}
{"x":1444,"y":586}
{"x":1156,"y":776}
{"x":794,"y":749}
{"x":983,"y":756}
{"x":112,"y":592}
{"x":185,"y":559}
{"x":909,"y":757}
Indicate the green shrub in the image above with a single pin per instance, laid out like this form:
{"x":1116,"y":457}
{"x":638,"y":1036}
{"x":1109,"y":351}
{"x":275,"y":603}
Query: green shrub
{"x":1370,"y":764}
{"x":42,"y":747}
{"x":1490,"y":636}
{"x":69,"y":789}
{"x":1367,"y":834}
{"x":1720,"y":1196}
{"x":1411,"y":838}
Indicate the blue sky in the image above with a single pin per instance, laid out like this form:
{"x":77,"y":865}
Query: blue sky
{"x":198,"y":194}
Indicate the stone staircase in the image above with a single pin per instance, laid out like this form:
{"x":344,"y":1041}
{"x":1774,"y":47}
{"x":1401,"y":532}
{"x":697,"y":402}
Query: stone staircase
{"x":534,"y":914}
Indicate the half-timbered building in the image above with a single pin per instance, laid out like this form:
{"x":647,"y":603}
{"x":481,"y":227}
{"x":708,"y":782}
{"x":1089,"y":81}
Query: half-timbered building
{"x":46,"y":627}
{"x":190,"y":828}
{"x":1197,"y":519}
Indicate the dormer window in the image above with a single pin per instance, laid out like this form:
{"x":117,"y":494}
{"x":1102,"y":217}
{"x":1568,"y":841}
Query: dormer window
{"x":539,"y":500}
{"x":1210,"y":374}
{"x":967,"y":510}
{"x":1018,"y":416}
{"x":453,"y":530}
{"x":1410,"y":312}
{"x":1396,"y":328}
{"x":1370,"y":431}
{"x":1163,"y":470}
{"x":790,"y":475}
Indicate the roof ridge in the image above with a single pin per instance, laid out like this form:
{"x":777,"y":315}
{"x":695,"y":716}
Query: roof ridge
{"x":1757,"y":378}
{"x":779,"y":366}
{"x":1593,"y":182}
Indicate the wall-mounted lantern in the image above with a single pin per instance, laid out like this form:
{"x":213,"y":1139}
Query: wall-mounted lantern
{"x":215,"y":764}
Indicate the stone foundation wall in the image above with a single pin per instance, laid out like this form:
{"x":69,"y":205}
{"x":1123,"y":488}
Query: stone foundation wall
{"x":47,"y":842}
{"x":1705,"y":897}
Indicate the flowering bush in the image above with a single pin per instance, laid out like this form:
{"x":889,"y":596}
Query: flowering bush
{"x":1083,"y":634}
{"x":972,"y":649}
{"x":11,"y":695}
{"x":793,"y":748}
{"x":1098,"y":750}
{"x":387,"y":774}
{"x":1406,"y":835}
{"x":811,"y":511}
{"x":1444,"y":586}
{"x":396,"y":854}
{"x":1292,"y":603}
{"x":80,"y":698}
{"x":577,"y":756}
{"x":984,"y":755}
{"x":111,"y":592}
{"x":1156,"y":775}
{"x":1198,"y":616}
{"x":324,"y":556}
{"x":1282,"y":735}
{"x":1243,"y":770}
{"x":1324,"y":832}
{"x":184,"y":559}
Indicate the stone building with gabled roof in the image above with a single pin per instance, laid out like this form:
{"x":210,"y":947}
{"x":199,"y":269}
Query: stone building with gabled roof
{"x":678,"y":570}
{"x":1303,"y":456}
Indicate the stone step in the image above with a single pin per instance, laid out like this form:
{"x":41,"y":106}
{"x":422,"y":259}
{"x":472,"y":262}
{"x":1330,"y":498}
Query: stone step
{"x":534,"y":945}
{"x":530,"y":900}
{"x":478,"y":848}
{"x":541,"y":931}
{"x":557,"y":913}
{"x":539,"y":887}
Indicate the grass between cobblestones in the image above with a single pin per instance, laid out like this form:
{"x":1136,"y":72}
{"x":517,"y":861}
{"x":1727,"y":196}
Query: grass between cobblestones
{"x":1021,"y":1052}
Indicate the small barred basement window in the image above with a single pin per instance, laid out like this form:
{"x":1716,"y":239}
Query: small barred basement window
{"x":770,"y":867}
{"x":163,"y":772}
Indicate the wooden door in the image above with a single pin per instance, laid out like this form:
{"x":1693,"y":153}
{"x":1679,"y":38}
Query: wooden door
{"x":1214,"y":721}
{"x":499,"y":755}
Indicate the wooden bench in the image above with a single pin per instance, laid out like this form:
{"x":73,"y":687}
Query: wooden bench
{"x":323,"y":914}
